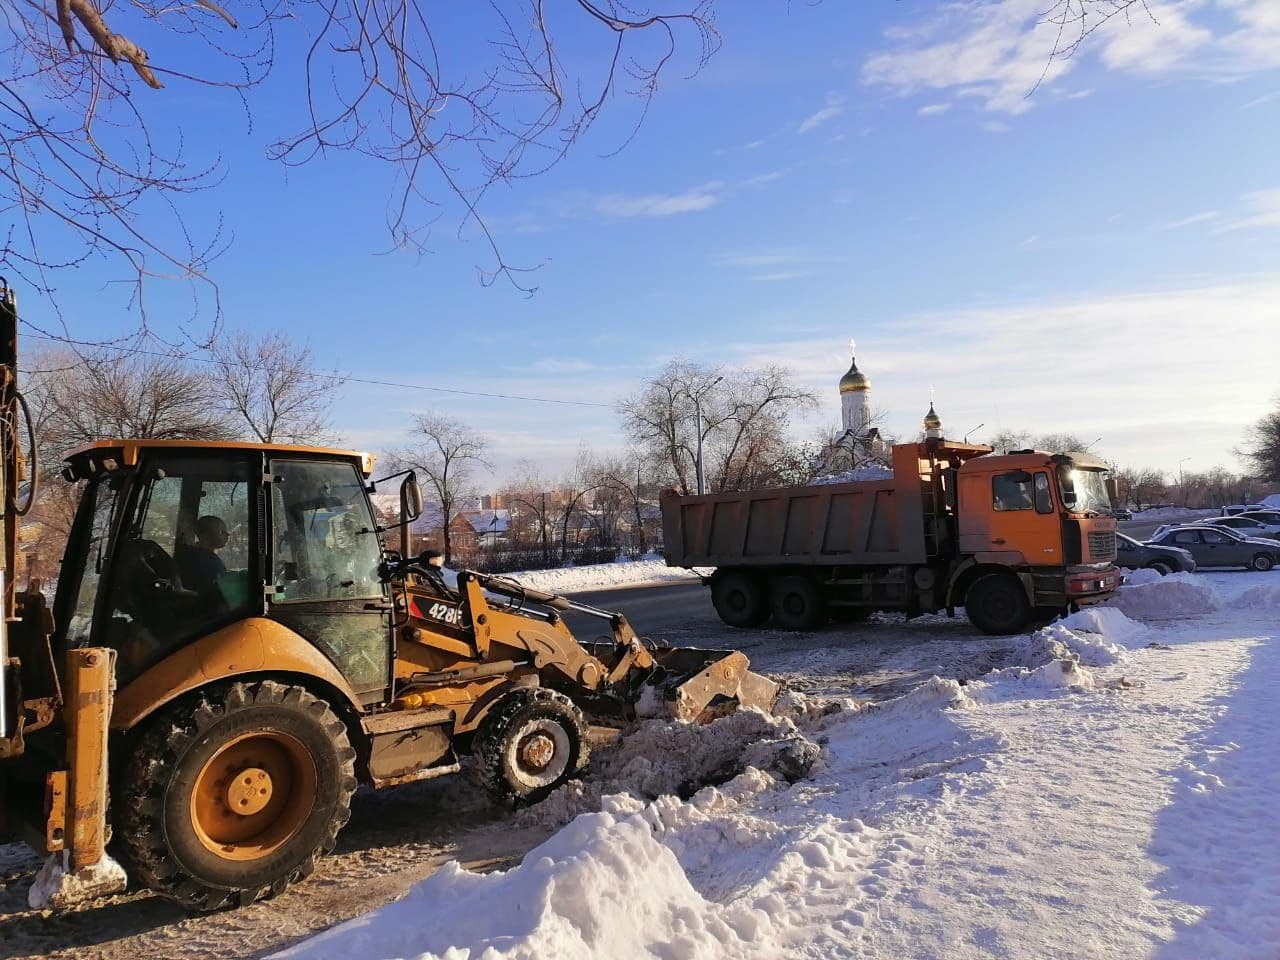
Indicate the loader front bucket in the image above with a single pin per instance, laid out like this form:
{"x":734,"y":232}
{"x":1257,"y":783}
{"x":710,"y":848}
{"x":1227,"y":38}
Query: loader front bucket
{"x":689,"y":684}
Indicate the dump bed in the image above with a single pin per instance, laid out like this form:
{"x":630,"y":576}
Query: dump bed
{"x":892,"y":521}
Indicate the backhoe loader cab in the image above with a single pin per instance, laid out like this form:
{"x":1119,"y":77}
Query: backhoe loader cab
{"x":232,"y":650}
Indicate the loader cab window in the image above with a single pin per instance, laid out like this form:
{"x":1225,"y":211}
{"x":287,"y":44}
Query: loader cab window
{"x":97,"y":509}
{"x":183,"y":564}
{"x":325,"y":542}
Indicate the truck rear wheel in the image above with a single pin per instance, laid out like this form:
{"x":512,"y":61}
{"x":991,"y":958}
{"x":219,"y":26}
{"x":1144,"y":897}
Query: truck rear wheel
{"x":797,"y":604}
{"x":740,"y":599}
{"x":231,"y":795}
{"x":529,"y":744}
{"x":997,"y":604}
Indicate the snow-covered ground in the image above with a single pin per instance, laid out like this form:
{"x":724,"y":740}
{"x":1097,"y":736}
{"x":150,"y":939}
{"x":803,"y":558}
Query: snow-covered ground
{"x":1110,"y":794}
{"x":594,"y":576}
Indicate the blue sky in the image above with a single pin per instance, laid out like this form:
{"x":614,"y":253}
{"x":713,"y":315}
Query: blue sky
{"x":1100,"y":257}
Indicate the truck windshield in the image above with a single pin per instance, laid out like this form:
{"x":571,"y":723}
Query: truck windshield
{"x":1083,"y":490}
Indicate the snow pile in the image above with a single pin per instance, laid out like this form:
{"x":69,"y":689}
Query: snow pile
{"x":600,"y":575}
{"x":1135,"y":578}
{"x":1171,"y":513}
{"x":1264,"y":598}
{"x":657,"y":757}
{"x":604,"y":886}
{"x":1107,"y":622}
{"x":57,"y":886}
{"x":1175,"y":596}
{"x":873,"y":472}
{"x":739,"y":870}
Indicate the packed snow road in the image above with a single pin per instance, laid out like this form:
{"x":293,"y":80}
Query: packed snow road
{"x":1044,"y":810}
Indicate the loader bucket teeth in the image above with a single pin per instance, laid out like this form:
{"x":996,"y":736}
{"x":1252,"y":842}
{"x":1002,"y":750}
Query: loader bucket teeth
{"x":695,"y":681}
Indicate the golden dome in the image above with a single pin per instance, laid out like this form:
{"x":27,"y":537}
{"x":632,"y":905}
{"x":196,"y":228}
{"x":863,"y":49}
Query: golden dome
{"x":931,"y":419}
{"x":855,"y":381}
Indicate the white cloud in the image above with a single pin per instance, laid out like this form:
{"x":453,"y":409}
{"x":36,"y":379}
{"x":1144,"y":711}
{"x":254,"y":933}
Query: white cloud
{"x":996,"y":126}
{"x":1195,"y":218}
{"x":1001,"y":50}
{"x":1259,"y":101}
{"x":1261,"y":210}
{"x":767,"y":258}
{"x":661,"y":204}
{"x":785,"y":275}
{"x":834,"y":107}
{"x":933,"y":109}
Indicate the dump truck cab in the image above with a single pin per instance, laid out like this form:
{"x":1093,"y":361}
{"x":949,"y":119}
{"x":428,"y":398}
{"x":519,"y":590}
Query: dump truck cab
{"x":1044,"y":519}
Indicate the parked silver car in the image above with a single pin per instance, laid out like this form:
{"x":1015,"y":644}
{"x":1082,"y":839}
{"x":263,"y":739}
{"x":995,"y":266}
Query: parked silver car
{"x":1221,"y":547}
{"x":1244,"y":525}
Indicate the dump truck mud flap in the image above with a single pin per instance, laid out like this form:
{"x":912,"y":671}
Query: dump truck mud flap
{"x":688,"y":683}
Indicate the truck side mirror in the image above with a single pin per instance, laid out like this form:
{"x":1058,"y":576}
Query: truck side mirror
{"x":410,"y":498}
{"x":1113,"y":489}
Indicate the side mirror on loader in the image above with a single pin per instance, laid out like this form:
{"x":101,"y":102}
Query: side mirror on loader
{"x":410,"y":498}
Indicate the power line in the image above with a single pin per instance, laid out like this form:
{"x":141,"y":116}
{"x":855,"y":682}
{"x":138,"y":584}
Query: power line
{"x":337,"y":377}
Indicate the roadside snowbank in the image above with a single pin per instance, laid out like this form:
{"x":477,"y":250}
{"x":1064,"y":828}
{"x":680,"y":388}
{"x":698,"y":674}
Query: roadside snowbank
{"x":1262,"y":598}
{"x":1175,"y":596}
{"x":601,"y":575}
{"x":1171,"y":513}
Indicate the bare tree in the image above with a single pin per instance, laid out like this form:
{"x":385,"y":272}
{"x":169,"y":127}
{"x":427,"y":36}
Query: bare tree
{"x":454,"y":100}
{"x":1012,"y":439}
{"x":446,"y":452}
{"x":531,"y":513}
{"x":269,"y":385}
{"x":108,"y":394}
{"x":743,"y":415}
{"x":1262,"y":445}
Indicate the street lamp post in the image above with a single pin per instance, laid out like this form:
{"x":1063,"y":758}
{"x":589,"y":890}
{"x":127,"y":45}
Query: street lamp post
{"x":696,"y":397}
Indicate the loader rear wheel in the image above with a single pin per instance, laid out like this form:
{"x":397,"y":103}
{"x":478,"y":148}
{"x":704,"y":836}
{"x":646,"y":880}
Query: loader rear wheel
{"x":740,"y":599}
{"x":232,"y":794}
{"x":531,"y":743}
{"x":797,"y":604}
{"x":997,"y":604}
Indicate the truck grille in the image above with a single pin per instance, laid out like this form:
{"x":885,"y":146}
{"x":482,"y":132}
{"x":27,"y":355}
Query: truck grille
{"x":1102,"y":545}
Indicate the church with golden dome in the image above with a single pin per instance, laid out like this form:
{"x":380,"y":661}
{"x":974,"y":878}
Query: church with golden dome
{"x":859,"y":443}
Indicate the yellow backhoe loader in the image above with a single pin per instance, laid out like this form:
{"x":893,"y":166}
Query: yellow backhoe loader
{"x":231,"y":650}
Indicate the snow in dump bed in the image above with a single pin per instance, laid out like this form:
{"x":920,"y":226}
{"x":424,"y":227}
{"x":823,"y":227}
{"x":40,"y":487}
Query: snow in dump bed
{"x":1132,"y":816}
{"x":1174,"y":596}
{"x":874,"y":472}
{"x":601,"y":575}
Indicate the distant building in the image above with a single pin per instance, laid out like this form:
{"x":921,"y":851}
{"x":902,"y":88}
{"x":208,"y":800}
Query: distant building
{"x":859,"y":443}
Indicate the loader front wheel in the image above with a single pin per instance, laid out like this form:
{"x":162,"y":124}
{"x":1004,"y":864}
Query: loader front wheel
{"x":232,"y":794}
{"x":531,"y":742}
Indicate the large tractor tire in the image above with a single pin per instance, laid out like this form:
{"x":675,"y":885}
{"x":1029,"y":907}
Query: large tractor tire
{"x":797,"y":604}
{"x":530,"y":743}
{"x":231,"y":795}
{"x":997,"y":604}
{"x":740,"y":599}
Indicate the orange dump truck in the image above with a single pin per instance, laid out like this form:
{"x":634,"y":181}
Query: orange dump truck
{"x":1008,"y":537}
